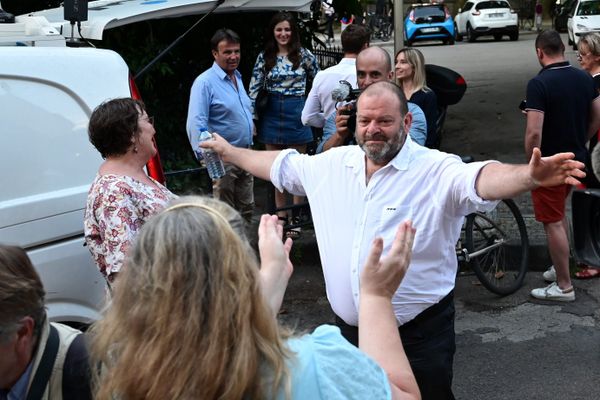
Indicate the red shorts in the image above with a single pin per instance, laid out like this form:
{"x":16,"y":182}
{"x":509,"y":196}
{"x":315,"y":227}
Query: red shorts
{"x":549,"y":203}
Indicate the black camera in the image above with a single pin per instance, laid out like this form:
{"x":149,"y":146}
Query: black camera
{"x":344,"y":92}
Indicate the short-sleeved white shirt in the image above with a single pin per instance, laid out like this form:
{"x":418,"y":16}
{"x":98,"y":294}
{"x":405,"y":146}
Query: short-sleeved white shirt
{"x":319,"y":104}
{"x":433,"y":189}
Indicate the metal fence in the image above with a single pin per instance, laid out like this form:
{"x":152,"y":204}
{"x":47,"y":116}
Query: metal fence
{"x":328,"y":56}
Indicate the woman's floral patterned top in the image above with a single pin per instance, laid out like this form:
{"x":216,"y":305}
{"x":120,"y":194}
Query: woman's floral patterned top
{"x":282,"y":78}
{"x":117,"y":207}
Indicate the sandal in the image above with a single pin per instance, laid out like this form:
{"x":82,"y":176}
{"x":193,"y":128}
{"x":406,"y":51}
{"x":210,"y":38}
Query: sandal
{"x":588,"y":273}
{"x":293,"y":233}
{"x":296,"y":231}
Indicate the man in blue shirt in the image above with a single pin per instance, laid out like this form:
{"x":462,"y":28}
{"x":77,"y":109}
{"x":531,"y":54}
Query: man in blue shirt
{"x":219,"y":102}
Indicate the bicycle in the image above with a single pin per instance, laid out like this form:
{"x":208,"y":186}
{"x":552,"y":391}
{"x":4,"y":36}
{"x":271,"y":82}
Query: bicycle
{"x":495,"y":246}
{"x":381,"y":27}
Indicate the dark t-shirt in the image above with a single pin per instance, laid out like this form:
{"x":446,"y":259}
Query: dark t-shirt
{"x":428,"y":103}
{"x":565,"y":95}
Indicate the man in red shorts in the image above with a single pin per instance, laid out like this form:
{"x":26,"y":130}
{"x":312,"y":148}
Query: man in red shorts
{"x":563,"y":112}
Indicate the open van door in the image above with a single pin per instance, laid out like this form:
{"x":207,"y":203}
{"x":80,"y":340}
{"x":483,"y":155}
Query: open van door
{"x":107,"y":14}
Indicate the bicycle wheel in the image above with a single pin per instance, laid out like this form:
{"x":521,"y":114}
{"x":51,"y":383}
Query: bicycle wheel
{"x":498,"y":247}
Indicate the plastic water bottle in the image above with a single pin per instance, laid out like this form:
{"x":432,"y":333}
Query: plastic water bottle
{"x":213,"y":161}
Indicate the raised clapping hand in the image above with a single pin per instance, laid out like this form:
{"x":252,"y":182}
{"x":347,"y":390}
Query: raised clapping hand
{"x":382,"y":276}
{"x":275,"y":265}
{"x":555,"y":170}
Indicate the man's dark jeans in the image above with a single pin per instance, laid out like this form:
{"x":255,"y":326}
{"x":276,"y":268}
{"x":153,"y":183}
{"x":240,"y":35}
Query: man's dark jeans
{"x":429,"y":343}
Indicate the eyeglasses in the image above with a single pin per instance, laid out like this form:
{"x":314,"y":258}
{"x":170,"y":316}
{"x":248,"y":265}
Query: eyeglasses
{"x":580,"y":55}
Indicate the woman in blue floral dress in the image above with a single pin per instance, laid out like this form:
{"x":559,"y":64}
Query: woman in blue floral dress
{"x":283,"y":69}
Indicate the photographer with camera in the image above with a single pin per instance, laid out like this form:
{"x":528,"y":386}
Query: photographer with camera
{"x":373,"y":64}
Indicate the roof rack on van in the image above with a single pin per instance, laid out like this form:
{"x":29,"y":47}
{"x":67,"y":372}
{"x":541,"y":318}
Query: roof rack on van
{"x":29,"y":30}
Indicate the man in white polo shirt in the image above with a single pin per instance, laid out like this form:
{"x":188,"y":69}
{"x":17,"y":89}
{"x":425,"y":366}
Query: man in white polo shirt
{"x":361,"y":192}
{"x":319,"y":104}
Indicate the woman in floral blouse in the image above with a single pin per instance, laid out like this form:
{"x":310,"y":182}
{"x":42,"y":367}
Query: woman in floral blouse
{"x":283,"y":68}
{"x":122,"y":196}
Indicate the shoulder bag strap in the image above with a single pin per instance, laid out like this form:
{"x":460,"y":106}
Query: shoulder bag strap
{"x":42,"y":375}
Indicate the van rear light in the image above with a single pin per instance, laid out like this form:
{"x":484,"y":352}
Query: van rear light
{"x":154,"y":166}
{"x":513,"y":11}
{"x":476,"y":12}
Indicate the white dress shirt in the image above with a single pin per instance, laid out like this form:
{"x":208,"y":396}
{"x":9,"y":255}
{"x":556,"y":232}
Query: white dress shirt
{"x":319,"y":104}
{"x":433,"y":189}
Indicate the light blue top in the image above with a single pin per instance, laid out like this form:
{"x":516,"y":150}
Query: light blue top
{"x":216,"y":104}
{"x":327,"y":366}
{"x":417,"y":132}
{"x":19,"y":389}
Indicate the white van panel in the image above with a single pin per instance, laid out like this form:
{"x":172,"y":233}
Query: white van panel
{"x":47,"y":165}
{"x":75,"y":289}
{"x":106,"y":14}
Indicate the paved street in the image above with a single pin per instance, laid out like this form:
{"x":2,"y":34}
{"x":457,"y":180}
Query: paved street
{"x":507,"y":348}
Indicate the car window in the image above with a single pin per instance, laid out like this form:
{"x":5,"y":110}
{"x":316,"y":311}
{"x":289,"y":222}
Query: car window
{"x":431,"y":11}
{"x":486,"y":5}
{"x":589,"y":8}
{"x":468,"y":6}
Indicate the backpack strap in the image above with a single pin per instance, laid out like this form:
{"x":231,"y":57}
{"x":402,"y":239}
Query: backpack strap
{"x":44,"y":370}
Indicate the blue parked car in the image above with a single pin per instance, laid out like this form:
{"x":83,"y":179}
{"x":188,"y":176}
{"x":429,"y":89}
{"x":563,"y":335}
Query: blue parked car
{"x":428,"y":22}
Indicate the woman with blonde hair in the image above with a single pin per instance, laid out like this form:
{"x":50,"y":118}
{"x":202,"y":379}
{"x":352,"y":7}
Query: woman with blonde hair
{"x":410,"y":76}
{"x":193,"y":316}
{"x":588,"y":55}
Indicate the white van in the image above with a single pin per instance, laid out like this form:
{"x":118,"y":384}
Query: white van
{"x":47,"y":94}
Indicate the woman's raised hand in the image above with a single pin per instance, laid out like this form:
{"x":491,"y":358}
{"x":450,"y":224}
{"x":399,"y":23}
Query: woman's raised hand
{"x":382,"y":276}
{"x":275,"y":265}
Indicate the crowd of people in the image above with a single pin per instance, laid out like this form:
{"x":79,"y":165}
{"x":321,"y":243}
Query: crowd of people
{"x":191,"y":301}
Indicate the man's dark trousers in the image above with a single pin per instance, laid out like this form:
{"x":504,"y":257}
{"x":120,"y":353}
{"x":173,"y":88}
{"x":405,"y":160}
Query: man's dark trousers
{"x":429,"y":344}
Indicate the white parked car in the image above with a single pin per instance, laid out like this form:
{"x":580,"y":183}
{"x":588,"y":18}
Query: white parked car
{"x":584,"y":18}
{"x":486,"y":18}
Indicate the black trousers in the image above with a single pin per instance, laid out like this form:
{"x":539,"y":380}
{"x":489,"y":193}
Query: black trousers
{"x":429,"y":343}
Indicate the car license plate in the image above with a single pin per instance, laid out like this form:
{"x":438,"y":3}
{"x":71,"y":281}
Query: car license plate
{"x":497,"y":15}
{"x":430,"y":30}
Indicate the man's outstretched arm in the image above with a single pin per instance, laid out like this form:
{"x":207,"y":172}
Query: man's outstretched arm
{"x":258,"y":163}
{"x":503,"y":181}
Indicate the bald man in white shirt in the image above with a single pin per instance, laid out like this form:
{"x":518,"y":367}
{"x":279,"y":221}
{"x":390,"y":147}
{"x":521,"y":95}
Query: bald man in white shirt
{"x":361,"y":192}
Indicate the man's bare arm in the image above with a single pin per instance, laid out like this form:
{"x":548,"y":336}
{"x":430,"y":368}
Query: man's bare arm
{"x":258,"y":163}
{"x":533,"y":132}
{"x":502,"y":181}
